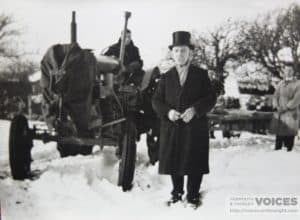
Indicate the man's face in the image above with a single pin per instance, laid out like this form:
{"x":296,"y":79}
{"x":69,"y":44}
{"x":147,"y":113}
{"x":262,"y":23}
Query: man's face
{"x":127,"y":37}
{"x":181,"y":54}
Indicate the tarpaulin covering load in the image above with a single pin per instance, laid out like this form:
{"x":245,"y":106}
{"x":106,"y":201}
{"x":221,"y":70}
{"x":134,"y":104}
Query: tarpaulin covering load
{"x":70,"y":72}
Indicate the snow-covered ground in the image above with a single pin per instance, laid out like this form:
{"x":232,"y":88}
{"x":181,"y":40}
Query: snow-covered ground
{"x":85,"y":187}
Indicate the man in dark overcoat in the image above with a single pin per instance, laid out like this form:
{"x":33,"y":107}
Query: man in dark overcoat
{"x":182,"y":99}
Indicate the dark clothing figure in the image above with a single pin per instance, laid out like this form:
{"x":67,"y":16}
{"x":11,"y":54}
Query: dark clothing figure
{"x":287,"y":141}
{"x":182,"y":99}
{"x":184,"y":147}
{"x":150,"y":120}
{"x":132,"y":62}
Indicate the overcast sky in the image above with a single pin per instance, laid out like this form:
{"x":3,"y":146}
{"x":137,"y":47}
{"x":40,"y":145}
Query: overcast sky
{"x":99,"y":22}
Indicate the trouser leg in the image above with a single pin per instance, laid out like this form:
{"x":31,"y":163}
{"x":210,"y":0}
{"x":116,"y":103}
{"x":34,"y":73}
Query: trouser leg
{"x":278,"y":142}
{"x":177,"y":182}
{"x":193,"y":186}
{"x":289,"y":142}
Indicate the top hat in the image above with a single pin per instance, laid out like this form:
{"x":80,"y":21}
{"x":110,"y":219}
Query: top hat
{"x":181,"y":38}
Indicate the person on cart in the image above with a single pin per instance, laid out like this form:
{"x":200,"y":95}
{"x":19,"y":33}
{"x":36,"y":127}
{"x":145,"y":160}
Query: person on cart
{"x":132,"y":70}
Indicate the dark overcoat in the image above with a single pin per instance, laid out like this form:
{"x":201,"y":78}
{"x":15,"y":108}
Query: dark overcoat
{"x":184,"y":147}
{"x":131,"y":53}
{"x":132,"y":60}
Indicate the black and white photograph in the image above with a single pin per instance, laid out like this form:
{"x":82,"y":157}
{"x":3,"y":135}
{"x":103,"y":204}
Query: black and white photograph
{"x":152,"y":110}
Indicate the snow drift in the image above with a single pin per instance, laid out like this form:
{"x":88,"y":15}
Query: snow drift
{"x":85,"y":187}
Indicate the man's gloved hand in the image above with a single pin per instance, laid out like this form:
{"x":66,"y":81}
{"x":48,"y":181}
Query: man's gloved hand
{"x":173,"y":115}
{"x":188,"y":114}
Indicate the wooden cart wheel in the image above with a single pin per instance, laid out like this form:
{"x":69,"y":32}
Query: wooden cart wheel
{"x":20,"y":144}
{"x":128,"y":156}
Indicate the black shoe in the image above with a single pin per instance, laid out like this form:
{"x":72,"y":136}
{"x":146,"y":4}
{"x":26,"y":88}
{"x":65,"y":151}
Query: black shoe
{"x":195,"y":202}
{"x":174,"y":199}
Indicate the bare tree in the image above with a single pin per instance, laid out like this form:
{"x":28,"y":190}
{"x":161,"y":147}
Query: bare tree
{"x":265,"y":37}
{"x":19,"y":70}
{"x":290,"y":24}
{"x":7,"y":37}
{"x":216,"y":49}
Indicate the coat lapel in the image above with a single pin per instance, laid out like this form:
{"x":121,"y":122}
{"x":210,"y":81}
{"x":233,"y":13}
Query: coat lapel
{"x":188,"y":80}
{"x":175,"y":79}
